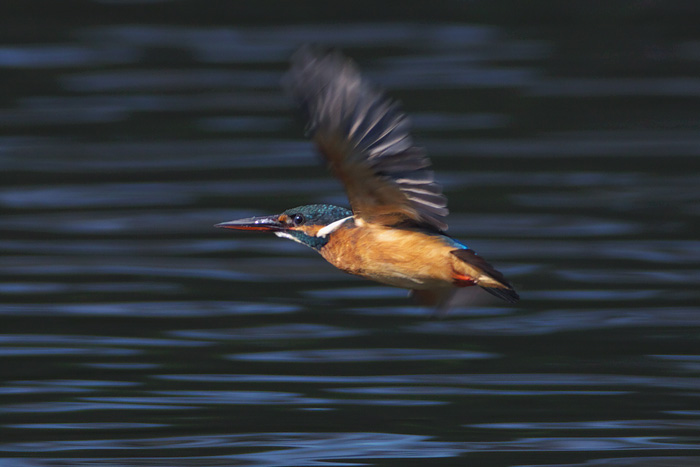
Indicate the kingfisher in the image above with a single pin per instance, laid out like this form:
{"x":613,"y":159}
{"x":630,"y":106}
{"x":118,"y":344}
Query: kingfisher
{"x":395,"y":232}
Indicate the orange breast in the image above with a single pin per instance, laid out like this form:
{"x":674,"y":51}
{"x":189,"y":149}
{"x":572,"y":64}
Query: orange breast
{"x":399,"y":257}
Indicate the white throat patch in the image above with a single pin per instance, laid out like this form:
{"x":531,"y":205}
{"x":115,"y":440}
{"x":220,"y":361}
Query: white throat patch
{"x":291,"y":237}
{"x":332,"y":227}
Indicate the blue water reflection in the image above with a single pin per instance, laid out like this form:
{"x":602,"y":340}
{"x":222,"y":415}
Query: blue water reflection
{"x":360,"y":355}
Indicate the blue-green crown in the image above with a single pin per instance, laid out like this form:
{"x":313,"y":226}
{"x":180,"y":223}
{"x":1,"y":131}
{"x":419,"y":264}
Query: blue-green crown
{"x":319,"y":214}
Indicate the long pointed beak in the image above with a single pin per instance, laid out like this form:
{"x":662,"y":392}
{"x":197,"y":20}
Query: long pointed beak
{"x":263,"y":223}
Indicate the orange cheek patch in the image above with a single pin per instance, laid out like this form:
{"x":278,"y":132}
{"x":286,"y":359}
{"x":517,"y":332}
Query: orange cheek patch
{"x":461,"y":280}
{"x":312,"y":230}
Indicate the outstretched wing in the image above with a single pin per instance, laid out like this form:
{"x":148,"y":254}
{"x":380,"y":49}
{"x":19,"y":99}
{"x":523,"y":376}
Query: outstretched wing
{"x":365,"y":138}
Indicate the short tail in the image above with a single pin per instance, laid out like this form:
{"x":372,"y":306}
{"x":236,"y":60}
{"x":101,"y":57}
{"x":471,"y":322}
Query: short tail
{"x":491,"y":280}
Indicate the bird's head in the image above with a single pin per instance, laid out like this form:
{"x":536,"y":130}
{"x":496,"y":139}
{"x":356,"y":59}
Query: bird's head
{"x":311,"y":225}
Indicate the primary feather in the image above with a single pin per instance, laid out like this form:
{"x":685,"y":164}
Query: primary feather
{"x":365,"y":138}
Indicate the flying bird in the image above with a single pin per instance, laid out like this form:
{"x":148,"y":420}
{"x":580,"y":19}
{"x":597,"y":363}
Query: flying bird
{"x":395,"y":232}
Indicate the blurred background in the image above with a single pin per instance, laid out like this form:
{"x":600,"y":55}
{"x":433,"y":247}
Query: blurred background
{"x":132,"y":332}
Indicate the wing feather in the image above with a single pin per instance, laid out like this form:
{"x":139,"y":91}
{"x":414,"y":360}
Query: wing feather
{"x":365,"y":138}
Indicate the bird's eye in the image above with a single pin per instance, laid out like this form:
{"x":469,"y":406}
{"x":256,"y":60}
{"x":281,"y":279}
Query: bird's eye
{"x":298,"y":219}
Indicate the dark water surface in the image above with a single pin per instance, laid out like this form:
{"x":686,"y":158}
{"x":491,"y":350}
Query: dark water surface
{"x":134,"y":333}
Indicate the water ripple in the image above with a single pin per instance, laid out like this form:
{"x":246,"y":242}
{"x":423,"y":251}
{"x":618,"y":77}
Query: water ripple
{"x":291,"y":449}
{"x":543,"y":380}
{"x":659,"y":424}
{"x":360,"y":355}
{"x":455,"y":391}
{"x":646,"y":461}
{"x":48,"y":351}
{"x":554,"y":321}
{"x":282,"y":331}
{"x":60,"y":56}
{"x":55,"y":339}
{"x":69,"y":407}
{"x":108,"y":426}
{"x":169,"y":309}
